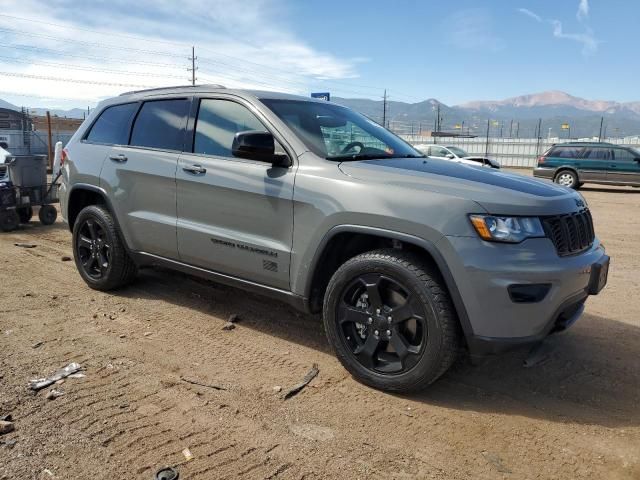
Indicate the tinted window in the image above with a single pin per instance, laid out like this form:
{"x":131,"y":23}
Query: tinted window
{"x":438,"y":152}
{"x":112,"y":126}
{"x":161,"y":124}
{"x":217,"y":124}
{"x":597,"y":153}
{"x":566,"y":152}
{"x":624,"y":155}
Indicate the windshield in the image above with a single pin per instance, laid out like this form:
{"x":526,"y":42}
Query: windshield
{"x":458,"y":152}
{"x":338,"y":133}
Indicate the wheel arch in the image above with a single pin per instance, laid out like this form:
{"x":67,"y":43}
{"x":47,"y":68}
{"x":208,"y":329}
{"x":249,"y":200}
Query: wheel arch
{"x":346,"y":241}
{"x":563,"y":168}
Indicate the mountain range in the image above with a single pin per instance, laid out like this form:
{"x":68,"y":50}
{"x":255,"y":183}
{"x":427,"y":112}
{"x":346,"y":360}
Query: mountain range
{"x":517,"y":116}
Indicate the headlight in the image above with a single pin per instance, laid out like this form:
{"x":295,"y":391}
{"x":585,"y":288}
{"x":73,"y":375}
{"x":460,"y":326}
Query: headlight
{"x":507,"y":229}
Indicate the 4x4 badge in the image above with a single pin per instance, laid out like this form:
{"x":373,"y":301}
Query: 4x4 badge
{"x":579,"y":203}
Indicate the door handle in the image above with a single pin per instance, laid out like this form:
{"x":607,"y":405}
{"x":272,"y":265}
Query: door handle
{"x":118,"y":158}
{"x":613,"y":165}
{"x":195,"y":169}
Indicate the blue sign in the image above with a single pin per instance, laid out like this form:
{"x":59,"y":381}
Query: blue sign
{"x":322,"y":96}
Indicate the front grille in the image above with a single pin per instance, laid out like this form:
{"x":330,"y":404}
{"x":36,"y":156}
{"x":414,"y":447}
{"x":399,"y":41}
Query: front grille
{"x":572,"y":233}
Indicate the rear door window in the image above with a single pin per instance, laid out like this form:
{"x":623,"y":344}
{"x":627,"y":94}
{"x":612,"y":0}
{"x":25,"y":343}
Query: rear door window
{"x":112,"y":126}
{"x":161,"y":124}
{"x":597,"y":154}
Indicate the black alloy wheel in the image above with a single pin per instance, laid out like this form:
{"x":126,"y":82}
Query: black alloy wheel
{"x":382,"y":323}
{"x":94,"y":249}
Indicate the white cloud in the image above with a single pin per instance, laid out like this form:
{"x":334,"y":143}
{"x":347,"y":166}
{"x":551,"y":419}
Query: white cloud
{"x":583,"y":10}
{"x":472,"y":29}
{"x":531,"y":14}
{"x":240,"y":43}
{"x":587,"y":39}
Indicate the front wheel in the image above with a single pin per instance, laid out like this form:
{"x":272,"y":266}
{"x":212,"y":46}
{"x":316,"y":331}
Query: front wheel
{"x":99,"y":252}
{"x":47,"y":214}
{"x":9,"y":220}
{"x":390,"y":320}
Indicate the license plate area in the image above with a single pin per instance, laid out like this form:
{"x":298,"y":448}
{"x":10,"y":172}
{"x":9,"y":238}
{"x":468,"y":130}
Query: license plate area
{"x":599,"y":276}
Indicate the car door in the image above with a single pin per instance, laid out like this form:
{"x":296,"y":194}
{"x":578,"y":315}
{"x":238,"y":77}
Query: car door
{"x":624,"y":167}
{"x":141,"y":177}
{"x":593,"y":163}
{"x":235,"y":216}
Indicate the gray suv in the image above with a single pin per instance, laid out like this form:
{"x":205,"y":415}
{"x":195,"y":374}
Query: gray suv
{"x":409,"y":259}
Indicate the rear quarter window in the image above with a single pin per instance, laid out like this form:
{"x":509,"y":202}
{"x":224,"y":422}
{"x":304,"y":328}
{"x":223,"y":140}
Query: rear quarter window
{"x":565,"y":152}
{"x":112,"y":126}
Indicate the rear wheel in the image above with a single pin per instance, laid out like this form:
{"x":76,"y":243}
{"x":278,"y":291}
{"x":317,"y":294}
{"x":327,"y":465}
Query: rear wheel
{"x":99,"y":252}
{"x":567,"y":178}
{"x":9,"y":220}
{"x":47,"y":214}
{"x":25,"y":214}
{"x":391,"y":321}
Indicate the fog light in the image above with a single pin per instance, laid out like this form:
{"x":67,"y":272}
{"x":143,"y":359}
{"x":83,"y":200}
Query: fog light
{"x":528,"y":293}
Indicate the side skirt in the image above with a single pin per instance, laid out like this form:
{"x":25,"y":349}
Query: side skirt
{"x":144,"y":259}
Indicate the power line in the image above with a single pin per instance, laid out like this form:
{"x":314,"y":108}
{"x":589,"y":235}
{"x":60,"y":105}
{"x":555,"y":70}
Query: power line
{"x":91,"y":69}
{"x":71,"y":80}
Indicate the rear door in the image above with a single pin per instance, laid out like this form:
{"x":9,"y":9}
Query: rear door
{"x":594,"y":163}
{"x":235,"y":216}
{"x":624,"y":167}
{"x":140,"y":178}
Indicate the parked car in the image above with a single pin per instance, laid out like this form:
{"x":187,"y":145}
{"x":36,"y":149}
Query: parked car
{"x":456,"y":154}
{"x":4,"y":155}
{"x":410,"y":259}
{"x":576,"y":163}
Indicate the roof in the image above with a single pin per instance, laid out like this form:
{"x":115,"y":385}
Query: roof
{"x":586,"y":144}
{"x":214,"y":88}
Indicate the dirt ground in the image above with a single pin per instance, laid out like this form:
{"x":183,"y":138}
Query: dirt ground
{"x":575,"y":416}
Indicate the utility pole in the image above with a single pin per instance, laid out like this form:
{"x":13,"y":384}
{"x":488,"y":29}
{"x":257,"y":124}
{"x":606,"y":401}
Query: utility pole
{"x":384,"y":109}
{"x":538,"y":135}
{"x":518,"y":130}
{"x":600,"y":134}
{"x":511,"y":129}
{"x":193,"y":66}
{"x":486,"y":147}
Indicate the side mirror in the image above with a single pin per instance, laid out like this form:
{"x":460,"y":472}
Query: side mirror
{"x":450,"y":156}
{"x":258,"y":145}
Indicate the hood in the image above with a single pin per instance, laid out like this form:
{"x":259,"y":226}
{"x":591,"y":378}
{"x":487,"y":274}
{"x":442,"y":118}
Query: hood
{"x":498,"y":192}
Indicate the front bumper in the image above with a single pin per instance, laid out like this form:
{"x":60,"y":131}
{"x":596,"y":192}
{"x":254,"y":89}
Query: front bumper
{"x":484,"y":271}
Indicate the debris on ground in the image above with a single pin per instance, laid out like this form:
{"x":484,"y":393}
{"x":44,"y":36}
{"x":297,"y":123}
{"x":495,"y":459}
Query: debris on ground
{"x":496,"y":461}
{"x":6,"y":427}
{"x":277,"y":389}
{"x":53,"y":394}
{"x":7,"y":418}
{"x":9,"y":443}
{"x":233,"y":318}
{"x":229,"y":326}
{"x":37,"y":345}
{"x":48,"y":472}
{"x":66,"y":258}
{"x":40,"y":383}
{"x":311,"y":374}
{"x":25,"y":245}
{"x":195,"y":382}
{"x":148,"y":334}
{"x":187,"y":454}
{"x":167,"y":473}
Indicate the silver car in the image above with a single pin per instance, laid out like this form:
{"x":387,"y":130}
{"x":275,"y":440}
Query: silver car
{"x":409,"y":259}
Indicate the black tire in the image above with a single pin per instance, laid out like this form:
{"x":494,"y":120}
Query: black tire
{"x":99,"y":252}
{"x":567,"y":178}
{"x":433,"y":314}
{"x":25,"y":214}
{"x":9,"y":220}
{"x":47,"y":214}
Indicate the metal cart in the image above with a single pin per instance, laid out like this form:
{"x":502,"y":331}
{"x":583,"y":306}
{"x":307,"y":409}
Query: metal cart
{"x":23,"y":185}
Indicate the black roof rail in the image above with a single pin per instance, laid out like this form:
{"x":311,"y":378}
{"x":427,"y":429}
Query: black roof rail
{"x":209,"y":85}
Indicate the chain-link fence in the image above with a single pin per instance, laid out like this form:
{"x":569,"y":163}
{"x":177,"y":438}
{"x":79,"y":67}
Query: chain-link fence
{"x":30,"y":142}
{"x":510,"y":152}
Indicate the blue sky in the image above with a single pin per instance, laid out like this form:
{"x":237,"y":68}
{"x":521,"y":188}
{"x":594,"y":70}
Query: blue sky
{"x":62,"y":53}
